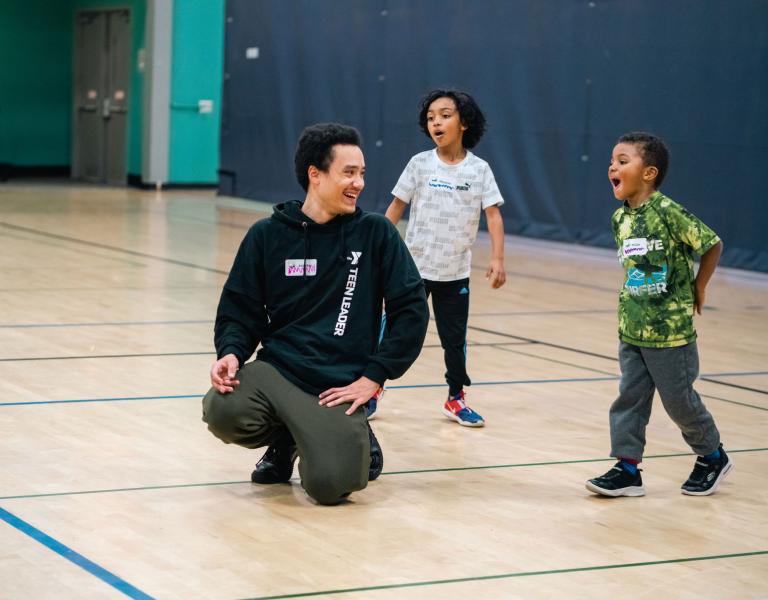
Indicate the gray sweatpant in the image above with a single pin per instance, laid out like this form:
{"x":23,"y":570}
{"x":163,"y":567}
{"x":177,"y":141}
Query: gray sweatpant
{"x":672,"y":371}
{"x":333,"y":448}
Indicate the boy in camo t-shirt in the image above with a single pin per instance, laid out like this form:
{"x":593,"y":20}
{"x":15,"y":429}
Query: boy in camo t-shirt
{"x":656,"y":240}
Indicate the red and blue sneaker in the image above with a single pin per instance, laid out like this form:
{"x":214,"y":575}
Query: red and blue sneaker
{"x":456,"y":409}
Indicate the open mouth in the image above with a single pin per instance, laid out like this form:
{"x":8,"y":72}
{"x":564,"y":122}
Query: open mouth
{"x":615,"y":182}
{"x":350,"y":195}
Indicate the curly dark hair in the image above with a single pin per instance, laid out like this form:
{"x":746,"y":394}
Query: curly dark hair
{"x":469,"y":113}
{"x":653,"y":151}
{"x":315,"y":147}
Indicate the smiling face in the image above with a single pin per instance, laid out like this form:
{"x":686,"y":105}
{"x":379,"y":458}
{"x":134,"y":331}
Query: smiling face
{"x":337,"y":189}
{"x":444,"y":124}
{"x":632,"y":180}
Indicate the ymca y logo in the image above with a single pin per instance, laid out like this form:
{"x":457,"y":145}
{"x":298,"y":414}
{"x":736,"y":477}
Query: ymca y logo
{"x":355,"y":256}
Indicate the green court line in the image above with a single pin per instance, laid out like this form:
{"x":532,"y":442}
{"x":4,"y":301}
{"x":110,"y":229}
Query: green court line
{"x":550,"y":463}
{"x":394,"y":586}
{"x":408,"y":472}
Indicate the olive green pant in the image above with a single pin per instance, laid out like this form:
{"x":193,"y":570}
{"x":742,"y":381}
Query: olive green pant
{"x":333,"y":448}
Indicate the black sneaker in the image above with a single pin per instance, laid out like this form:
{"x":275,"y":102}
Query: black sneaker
{"x":276,"y":466}
{"x":617,"y":482}
{"x":707,"y":475}
{"x":377,"y":456}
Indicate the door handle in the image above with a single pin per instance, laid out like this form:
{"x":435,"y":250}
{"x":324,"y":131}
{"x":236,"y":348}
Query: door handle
{"x":105,"y":108}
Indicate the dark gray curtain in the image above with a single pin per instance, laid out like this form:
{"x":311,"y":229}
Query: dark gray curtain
{"x":558,"y":80}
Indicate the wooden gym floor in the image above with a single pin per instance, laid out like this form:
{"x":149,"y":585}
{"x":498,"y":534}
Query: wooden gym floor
{"x":111,"y":486}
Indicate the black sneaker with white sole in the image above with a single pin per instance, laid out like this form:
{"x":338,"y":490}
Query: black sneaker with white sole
{"x":707,"y":475}
{"x":276,"y":466}
{"x":377,"y":456}
{"x":617,"y":482}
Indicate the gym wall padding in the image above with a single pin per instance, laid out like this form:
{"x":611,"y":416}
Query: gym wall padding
{"x":558,"y":81}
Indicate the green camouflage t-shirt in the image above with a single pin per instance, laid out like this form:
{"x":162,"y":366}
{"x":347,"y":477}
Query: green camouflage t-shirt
{"x":655,"y":244}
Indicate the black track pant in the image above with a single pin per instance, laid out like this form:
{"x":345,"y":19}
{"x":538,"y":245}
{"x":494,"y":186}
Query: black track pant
{"x":450,"y":303}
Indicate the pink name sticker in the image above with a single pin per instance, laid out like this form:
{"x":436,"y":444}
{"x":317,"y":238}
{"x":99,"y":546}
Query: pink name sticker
{"x":294,"y":267}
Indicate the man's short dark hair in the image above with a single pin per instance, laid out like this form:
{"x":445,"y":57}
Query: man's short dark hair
{"x":315,"y":147}
{"x":469,"y":113}
{"x":653,"y":151}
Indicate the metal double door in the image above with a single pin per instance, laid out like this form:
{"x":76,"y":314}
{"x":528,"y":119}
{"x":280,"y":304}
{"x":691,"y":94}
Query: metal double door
{"x":101,"y":93}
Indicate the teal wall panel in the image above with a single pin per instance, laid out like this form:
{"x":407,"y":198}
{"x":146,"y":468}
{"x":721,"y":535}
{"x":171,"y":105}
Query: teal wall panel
{"x":196,"y":74}
{"x":35,"y":82}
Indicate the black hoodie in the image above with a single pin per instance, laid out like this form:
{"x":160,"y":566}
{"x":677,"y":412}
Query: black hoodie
{"x":312,"y":296}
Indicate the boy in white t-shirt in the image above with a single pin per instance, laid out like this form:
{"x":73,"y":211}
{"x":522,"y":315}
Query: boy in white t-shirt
{"x":446,"y":188}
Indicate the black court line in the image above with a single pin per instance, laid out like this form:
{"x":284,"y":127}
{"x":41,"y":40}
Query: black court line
{"x":404,"y":472}
{"x":589,"y":286}
{"x":148,"y":354}
{"x":551,"y":360}
{"x":100,"y":324}
{"x":122,"y":261}
{"x":734,"y":385}
{"x":483,"y":344}
{"x":541,"y":343}
{"x":35,"y":358}
{"x":258,"y":214}
{"x":73,"y":240}
{"x":733,"y":402}
{"x":606,"y":357}
{"x":113,"y":288}
{"x":526,"y":313}
{"x":412,"y":584}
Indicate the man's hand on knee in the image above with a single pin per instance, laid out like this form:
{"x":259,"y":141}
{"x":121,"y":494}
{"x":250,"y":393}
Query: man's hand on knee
{"x":357,"y":393}
{"x":223,"y":374}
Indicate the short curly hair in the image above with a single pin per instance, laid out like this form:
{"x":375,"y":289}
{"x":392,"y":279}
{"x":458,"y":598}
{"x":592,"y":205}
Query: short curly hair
{"x":469,"y":113}
{"x":315,"y":147}
{"x":653,"y":151}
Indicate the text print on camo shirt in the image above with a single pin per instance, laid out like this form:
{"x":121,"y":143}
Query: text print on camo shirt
{"x":656,"y":243}
{"x":312,"y":298}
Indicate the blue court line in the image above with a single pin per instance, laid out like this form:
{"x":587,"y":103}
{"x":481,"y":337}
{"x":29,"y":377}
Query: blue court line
{"x":393,"y":387}
{"x":389,"y":387}
{"x":109,"y":578}
{"x":86,"y":400}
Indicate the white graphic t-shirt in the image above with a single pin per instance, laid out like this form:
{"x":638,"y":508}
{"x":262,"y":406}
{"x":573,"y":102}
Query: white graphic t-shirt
{"x":445,"y":211}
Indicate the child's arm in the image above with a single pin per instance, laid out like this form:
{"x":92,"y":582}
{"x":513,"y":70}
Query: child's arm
{"x":707,"y":266}
{"x":495,"y":273}
{"x":395,"y":210}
